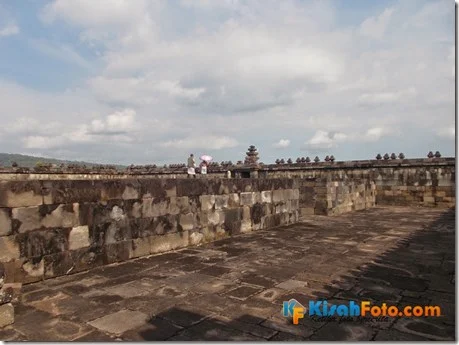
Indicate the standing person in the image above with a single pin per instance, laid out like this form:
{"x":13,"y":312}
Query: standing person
{"x":203,"y":167}
{"x":191,"y":166}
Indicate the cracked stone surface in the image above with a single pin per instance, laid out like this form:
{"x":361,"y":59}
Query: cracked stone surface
{"x":233,"y":289}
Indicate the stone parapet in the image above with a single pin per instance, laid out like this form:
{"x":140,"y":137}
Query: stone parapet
{"x":54,"y":228}
{"x":215,"y":170}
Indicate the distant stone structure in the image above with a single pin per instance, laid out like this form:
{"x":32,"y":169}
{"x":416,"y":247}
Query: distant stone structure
{"x":252,"y":156}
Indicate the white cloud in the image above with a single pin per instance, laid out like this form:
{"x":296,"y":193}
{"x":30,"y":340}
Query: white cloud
{"x":283,"y":143}
{"x":447,"y":132}
{"x":375,"y":134}
{"x":89,"y":13}
{"x":325,"y":140}
{"x":9,"y":30}
{"x":198,"y":141}
{"x":376,"y":98}
{"x":375,"y":27}
{"x":117,"y":127}
{"x":120,"y":122}
{"x":248,"y":70}
{"x":175,"y":89}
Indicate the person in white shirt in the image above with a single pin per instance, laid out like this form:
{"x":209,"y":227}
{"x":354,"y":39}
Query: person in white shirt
{"x":191,"y":166}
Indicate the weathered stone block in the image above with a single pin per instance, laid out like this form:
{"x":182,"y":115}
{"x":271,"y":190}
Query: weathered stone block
{"x":10,"y":293}
{"x":32,"y":270}
{"x":192,"y":187}
{"x":220,"y":233}
{"x":85,"y":259}
{"x":268,"y":209}
{"x":223,"y":188}
{"x":266,"y":196}
{"x":320,"y":207}
{"x":56,"y":265}
{"x":183,"y":204}
{"x":112,"y":189}
{"x":232,"y":222}
{"x":209,"y":234}
{"x":152,"y":188}
{"x":213,"y":217}
{"x":196,"y":238}
{"x":165,"y":224}
{"x":246,"y":216}
{"x":296,"y":194}
{"x":159,"y":244}
{"x":28,"y":218}
{"x":294,"y":204}
{"x":5,"y":222}
{"x":288,"y":194}
{"x":207,"y":202}
{"x":267,"y":222}
{"x":187,"y":221}
{"x":233,"y":200}
{"x":246,"y":226}
{"x":136,"y":210}
{"x":65,"y":216}
{"x":280,"y":208}
{"x":256,"y":227}
{"x":257,"y":197}
{"x":9,"y":249}
{"x":39,"y":243}
{"x":257,"y":212}
{"x":154,"y":207}
{"x":145,"y":227}
{"x":429,"y":199}
{"x":79,"y":237}
{"x":140,"y":247}
{"x":118,"y":229}
{"x":173,"y":208}
{"x":69,"y":192}
{"x":20,"y":193}
{"x":130,"y":192}
{"x":247,"y":199}
{"x":23,"y":270}
{"x":118,"y":252}
{"x":170,"y":187}
{"x":221,"y":202}
{"x":278,"y":195}
{"x":6,"y":314}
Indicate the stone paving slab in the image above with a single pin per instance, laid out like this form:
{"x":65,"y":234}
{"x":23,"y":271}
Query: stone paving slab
{"x":233,"y":289}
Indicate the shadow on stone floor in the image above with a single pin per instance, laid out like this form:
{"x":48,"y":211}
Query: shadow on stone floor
{"x":418,"y":271}
{"x":413,"y":266}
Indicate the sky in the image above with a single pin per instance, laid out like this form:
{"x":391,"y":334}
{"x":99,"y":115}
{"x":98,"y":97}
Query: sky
{"x":149,"y":82}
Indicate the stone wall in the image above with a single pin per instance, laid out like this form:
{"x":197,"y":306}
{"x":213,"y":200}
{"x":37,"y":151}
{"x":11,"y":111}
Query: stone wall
{"x":335,"y":187}
{"x":329,"y":197}
{"x":432,"y":186}
{"x":54,"y":228}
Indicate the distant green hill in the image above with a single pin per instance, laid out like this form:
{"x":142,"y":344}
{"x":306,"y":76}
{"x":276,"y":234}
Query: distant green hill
{"x":7,"y":159}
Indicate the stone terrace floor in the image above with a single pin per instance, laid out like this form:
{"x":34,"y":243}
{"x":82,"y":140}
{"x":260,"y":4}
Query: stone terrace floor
{"x":233,"y":289}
